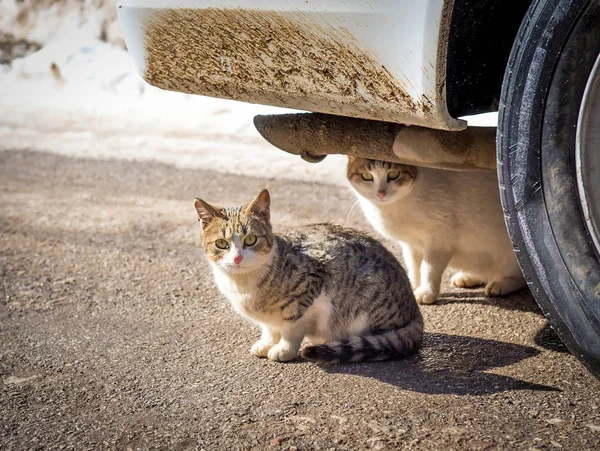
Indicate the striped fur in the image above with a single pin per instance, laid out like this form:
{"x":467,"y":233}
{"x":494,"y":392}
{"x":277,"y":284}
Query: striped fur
{"x":391,"y":344}
{"x":337,"y":287}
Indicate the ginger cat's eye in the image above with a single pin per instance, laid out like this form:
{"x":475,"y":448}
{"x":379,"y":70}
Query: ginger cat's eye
{"x":393,"y":175}
{"x":222,"y":244}
{"x":250,"y":240}
{"x":367,"y":176}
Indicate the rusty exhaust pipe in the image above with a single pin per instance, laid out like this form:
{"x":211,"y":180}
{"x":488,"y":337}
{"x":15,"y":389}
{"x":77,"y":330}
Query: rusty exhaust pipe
{"x":313,"y":136}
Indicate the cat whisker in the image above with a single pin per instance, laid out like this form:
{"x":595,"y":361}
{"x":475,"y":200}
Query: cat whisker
{"x":355,"y":203}
{"x":206,"y":272}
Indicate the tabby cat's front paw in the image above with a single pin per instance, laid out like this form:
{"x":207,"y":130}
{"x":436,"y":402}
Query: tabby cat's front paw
{"x":425,"y":295}
{"x":261,"y":348}
{"x":282,"y":353}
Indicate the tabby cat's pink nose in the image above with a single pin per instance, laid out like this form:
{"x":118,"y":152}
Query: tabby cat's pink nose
{"x":381,"y":194}
{"x":237,"y":259}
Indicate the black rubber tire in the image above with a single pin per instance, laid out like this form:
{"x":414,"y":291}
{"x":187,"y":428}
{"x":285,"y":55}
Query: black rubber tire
{"x":544,"y":83}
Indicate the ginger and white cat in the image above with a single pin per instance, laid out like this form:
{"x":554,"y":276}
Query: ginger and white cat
{"x":441,"y":218}
{"x":336,"y":286}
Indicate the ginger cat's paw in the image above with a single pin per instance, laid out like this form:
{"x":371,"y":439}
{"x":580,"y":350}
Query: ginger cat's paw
{"x":494,"y":288}
{"x":504,"y":286}
{"x":282,"y":353}
{"x":425,"y":295}
{"x":261,"y":348}
{"x":463,"y":280}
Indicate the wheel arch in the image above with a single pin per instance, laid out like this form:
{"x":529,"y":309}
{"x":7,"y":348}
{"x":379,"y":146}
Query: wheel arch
{"x":480,"y":39}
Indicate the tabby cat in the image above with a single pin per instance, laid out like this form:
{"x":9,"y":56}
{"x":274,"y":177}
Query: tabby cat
{"x":441,"y":218}
{"x":337,"y":287}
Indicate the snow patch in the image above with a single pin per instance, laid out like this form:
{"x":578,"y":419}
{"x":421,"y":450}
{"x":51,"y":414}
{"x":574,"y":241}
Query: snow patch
{"x":80,"y":96}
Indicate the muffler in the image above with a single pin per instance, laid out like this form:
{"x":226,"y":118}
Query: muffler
{"x":313,"y":136}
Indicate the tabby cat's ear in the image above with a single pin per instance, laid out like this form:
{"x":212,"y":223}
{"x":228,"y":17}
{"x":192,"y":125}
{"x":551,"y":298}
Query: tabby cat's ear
{"x":205,"y":212}
{"x":261,"y":205}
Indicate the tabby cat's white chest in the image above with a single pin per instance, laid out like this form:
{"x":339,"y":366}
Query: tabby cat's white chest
{"x":239,"y":294}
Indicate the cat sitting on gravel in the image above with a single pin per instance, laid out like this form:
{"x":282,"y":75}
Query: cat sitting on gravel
{"x":337,"y":287}
{"x":441,"y":218}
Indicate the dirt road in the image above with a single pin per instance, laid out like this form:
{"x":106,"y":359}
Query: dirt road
{"x":112,"y":334}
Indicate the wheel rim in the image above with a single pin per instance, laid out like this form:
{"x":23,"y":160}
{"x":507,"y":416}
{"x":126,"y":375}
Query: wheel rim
{"x":588,"y":155}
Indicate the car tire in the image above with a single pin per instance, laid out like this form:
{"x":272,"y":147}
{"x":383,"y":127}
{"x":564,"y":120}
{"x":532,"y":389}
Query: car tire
{"x":549,"y":166}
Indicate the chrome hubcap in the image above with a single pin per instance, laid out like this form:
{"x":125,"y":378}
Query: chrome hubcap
{"x":588,"y":154}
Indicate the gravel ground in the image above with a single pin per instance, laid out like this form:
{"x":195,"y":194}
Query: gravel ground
{"x":112,"y":334}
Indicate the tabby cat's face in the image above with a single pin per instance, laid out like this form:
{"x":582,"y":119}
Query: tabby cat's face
{"x":380,"y":182}
{"x":239,"y":239}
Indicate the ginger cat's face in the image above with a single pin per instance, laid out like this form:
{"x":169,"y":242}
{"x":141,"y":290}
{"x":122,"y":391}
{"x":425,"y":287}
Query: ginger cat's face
{"x":238,"y":240}
{"x":380,"y":182}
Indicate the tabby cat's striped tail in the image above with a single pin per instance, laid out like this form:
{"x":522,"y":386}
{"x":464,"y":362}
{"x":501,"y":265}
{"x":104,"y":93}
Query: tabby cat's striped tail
{"x":391,"y":344}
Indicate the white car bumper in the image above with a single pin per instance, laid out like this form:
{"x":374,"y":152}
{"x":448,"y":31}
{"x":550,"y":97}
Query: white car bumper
{"x":383,"y":60}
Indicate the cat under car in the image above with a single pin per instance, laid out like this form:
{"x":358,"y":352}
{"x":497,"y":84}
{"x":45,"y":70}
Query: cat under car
{"x":441,"y":218}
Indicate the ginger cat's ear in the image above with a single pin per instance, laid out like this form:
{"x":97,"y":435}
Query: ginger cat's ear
{"x":261,"y":205}
{"x":205,"y":212}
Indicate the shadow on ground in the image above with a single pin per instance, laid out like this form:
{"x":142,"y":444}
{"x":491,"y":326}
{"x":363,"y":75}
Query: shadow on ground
{"x":547,"y":338}
{"x":522,"y":300}
{"x":451,"y":365}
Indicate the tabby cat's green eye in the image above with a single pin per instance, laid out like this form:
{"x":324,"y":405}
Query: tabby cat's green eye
{"x":222,"y":244}
{"x":393,"y":175}
{"x":250,"y":240}
{"x":367,"y":176}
